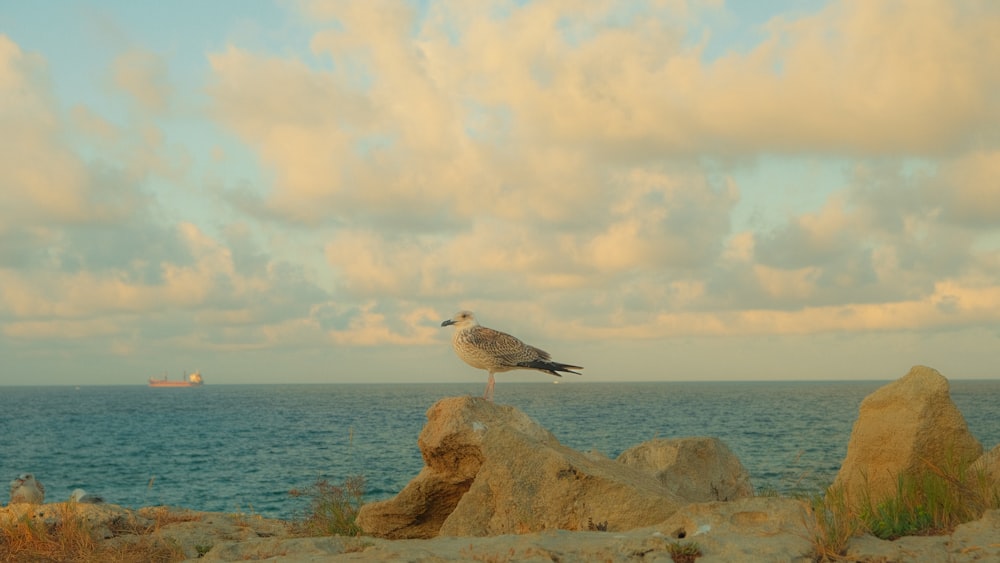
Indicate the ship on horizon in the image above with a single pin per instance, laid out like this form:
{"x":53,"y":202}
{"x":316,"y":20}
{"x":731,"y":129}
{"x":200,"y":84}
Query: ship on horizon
{"x":190,"y":380}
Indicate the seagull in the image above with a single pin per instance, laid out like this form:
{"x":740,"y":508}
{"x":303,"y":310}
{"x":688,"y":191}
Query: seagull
{"x":80,"y":495}
{"x":25,"y":489}
{"x":497,"y":352}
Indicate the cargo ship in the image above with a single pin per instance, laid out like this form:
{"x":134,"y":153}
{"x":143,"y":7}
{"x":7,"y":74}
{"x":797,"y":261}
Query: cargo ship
{"x":191,"y":380}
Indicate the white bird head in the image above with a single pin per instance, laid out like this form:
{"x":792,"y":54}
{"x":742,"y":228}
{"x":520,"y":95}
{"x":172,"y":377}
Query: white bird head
{"x":462,"y":319}
{"x":25,"y":488}
{"x":22,"y":479}
{"x":80,"y":495}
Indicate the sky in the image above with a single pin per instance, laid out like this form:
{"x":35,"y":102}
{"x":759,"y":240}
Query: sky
{"x":658,"y":190}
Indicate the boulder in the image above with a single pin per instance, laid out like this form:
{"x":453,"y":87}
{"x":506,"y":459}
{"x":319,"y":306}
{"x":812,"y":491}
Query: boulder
{"x":490,"y":469}
{"x":902,"y":430}
{"x":695,"y":469}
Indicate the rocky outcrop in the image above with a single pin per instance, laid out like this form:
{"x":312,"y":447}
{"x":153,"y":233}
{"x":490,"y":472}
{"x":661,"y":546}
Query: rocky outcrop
{"x":490,"y":469}
{"x":753,"y":529}
{"x":694,"y":469}
{"x":189,"y":532}
{"x":744,"y":530}
{"x":495,"y":471}
{"x":903,"y":429}
{"x":972,"y":541}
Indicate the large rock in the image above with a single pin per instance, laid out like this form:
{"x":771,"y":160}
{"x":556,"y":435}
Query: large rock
{"x":902,"y":429}
{"x":490,"y":469}
{"x":695,"y":469}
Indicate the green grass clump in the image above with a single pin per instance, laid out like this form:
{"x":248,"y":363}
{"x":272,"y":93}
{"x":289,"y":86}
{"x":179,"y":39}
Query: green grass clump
{"x":333,"y":509}
{"x":932,"y":502}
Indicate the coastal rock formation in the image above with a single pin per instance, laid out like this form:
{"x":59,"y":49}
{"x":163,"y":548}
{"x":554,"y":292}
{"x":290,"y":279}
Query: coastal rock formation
{"x":901,"y":428}
{"x":695,"y":469}
{"x":744,"y":530}
{"x":490,"y":469}
{"x":974,"y":541}
{"x":753,"y":529}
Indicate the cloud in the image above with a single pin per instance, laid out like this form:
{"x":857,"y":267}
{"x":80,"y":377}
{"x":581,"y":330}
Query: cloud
{"x":45,"y":179}
{"x":573,"y":174}
{"x":144,"y":75}
{"x":547,"y":150}
{"x":966,"y":190}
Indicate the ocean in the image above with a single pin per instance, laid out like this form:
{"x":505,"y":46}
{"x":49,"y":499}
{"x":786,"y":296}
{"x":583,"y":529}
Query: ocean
{"x":242,"y":448}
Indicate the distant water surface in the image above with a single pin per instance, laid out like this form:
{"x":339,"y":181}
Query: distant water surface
{"x":233,"y":448}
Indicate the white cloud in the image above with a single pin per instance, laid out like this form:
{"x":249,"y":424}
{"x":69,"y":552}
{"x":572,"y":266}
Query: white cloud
{"x":572,"y":173}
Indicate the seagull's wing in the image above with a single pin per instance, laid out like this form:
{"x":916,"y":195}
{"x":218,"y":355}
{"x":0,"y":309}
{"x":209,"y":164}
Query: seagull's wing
{"x":508,"y":350}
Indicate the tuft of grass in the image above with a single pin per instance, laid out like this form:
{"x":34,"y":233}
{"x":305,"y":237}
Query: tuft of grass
{"x":596,"y":526}
{"x":932,"y":502}
{"x":333,"y":509}
{"x":831,"y":524}
{"x":242,"y":518}
{"x":683,"y":552}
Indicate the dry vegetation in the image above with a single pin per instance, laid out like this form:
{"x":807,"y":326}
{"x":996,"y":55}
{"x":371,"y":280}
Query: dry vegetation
{"x":66,"y":534}
{"x":332,"y":508}
{"x":68,"y":537}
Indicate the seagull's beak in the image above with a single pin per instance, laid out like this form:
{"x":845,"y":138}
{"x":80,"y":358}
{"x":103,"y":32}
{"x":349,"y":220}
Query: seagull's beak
{"x":447,"y":322}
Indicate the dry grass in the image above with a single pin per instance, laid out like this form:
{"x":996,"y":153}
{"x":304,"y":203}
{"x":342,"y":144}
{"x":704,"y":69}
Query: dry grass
{"x":830,"y":524}
{"x":683,"y":552}
{"x":68,"y":537}
{"x":332,"y":508}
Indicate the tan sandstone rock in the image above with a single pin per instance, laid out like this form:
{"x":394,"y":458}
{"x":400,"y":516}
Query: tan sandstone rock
{"x":901,"y":428}
{"x":490,"y":469}
{"x":748,"y":529}
{"x":978,"y":540}
{"x":695,"y":469}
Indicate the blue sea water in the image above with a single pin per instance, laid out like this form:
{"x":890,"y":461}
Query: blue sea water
{"x":242,"y":448}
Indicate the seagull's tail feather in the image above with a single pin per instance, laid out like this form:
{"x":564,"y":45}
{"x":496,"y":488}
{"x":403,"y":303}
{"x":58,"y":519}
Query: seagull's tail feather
{"x":551,"y":367}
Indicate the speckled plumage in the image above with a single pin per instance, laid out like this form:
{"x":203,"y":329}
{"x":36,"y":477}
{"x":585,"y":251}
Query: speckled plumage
{"x":26,"y":489}
{"x":497,"y":352}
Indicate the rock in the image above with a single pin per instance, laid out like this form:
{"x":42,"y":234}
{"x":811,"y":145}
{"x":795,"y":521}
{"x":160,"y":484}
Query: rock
{"x":490,"y":469}
{"x":197,"y":532}
{"x":694,"y":469}
{"x":747,"y":529}
{"x":901,"y":428}
{"x":972,"y":541}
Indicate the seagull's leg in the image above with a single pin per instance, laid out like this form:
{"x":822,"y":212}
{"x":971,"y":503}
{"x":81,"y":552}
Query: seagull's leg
{"x":489,"y":388}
